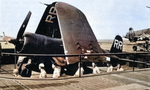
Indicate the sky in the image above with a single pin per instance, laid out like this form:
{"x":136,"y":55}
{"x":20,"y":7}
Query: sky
{"x":107,"y":18}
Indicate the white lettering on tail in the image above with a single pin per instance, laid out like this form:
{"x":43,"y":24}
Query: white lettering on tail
{"x":118,"y":44}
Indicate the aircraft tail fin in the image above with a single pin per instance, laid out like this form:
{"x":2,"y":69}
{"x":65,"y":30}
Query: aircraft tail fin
{"x":48,"y":24}
{"x":117,"y":45}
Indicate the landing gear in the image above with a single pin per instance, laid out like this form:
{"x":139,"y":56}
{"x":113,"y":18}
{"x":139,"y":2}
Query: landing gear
{"x":146,"y":46}
{"x":134,"y":48}
{"x":148,"y":49}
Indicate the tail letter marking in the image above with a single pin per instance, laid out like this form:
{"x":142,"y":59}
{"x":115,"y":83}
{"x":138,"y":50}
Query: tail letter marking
{"x":118,"y":44}
{"x":52,"y":13}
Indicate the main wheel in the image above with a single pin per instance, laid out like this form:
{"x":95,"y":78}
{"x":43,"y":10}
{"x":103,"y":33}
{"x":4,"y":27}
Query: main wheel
{"x":134,"y":48}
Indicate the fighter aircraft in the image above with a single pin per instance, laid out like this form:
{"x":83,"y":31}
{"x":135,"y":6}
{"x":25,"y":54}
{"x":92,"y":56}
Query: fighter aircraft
{"x":140,"y":38}
{"x":63,"y":29}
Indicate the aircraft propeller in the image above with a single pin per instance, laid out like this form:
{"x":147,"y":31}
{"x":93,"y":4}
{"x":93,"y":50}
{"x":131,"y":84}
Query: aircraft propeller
{"x":23,"y":26}
{"x":147,"y":6}
{"x":21,"y":30}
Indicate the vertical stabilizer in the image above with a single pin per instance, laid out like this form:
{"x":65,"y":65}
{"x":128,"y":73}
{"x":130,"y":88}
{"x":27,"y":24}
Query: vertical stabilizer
{"x":117,"y":45}
{"x":49,"y":24}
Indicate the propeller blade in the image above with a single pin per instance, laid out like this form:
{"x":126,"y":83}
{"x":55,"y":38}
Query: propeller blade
{"x":23,"y":26}
{"x":147,"y":6}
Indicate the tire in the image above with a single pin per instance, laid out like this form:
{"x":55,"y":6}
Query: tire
{"x":134,"y":48}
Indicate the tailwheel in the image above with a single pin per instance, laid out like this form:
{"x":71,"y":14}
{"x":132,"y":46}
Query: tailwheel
{"x":134,"y":48}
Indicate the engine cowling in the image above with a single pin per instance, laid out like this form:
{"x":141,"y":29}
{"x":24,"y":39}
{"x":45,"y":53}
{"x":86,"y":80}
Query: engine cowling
{"x":39,"y":44}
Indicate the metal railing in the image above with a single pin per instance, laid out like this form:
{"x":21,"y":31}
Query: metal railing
{"x":81,"y":55}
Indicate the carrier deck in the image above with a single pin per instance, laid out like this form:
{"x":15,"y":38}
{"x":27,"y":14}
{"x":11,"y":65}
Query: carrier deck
{"x":125,"y":80}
